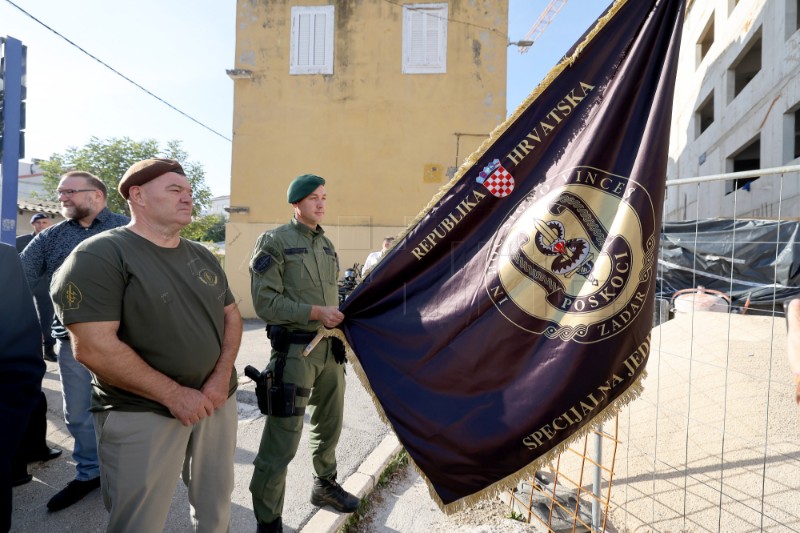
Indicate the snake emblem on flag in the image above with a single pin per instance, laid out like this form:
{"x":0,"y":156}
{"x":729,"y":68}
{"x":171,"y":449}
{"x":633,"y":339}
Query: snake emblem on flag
{"x":574,"y":262}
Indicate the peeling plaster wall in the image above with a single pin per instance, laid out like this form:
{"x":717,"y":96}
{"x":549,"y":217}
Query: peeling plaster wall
{"x":383,"y":140}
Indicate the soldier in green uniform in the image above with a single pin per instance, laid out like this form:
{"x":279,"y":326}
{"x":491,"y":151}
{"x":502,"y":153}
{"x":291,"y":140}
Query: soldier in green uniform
{"x":293,"y":271}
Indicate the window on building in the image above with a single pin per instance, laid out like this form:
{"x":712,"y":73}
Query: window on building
{"x":706,"y":40}
{"x":312,"y":40}
{"x":796,"y":134}
{"x":791,"y":134}
{"x":792,"y":17}
{"x":424,"y":38}
{"x":704,"y":116}
{"x":746,"y":158}
{"x":746,"y":66}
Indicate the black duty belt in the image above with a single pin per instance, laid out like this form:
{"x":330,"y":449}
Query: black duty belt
{"x":289,"y":336}
{"x":301,"y":337}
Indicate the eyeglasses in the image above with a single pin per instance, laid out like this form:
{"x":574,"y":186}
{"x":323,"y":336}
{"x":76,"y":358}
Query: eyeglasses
{"x":69,"y":193}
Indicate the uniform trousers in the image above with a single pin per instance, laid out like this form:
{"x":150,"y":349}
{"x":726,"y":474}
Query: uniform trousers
{"x":281,"y":437}
{"x":143,"y":453}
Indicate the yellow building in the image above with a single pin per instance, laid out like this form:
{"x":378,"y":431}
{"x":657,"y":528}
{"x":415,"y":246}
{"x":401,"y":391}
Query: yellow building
{"x":382,"y":98}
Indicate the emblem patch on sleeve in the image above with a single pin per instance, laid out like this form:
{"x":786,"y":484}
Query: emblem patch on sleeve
{"x":71,"y":297}
{"x":262,"y":263}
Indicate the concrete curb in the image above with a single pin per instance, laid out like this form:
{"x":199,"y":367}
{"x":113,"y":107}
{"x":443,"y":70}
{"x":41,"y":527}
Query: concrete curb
{"x":361,"y":483}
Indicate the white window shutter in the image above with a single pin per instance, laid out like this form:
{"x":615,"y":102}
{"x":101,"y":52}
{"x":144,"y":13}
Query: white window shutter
{"x":303,"y":39}
{"x":320,"y":23}
{"x":424,"y":38}
{"x":417,"y":39}
{"x":311,"y":49}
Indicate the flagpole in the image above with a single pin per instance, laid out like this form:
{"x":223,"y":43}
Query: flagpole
{"x":598,"y":459}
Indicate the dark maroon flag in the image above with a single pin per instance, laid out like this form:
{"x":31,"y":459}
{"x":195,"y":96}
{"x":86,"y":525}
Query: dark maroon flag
{"x":515,"y":314}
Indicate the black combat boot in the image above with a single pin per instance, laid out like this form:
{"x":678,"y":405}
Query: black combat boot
{"x":276,"y":526}
{"x":329,"y":492}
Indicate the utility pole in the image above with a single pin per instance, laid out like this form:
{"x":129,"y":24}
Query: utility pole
{"x":12,"y":122}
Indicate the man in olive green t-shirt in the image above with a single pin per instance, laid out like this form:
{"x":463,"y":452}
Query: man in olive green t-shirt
{"x":152,"y":318}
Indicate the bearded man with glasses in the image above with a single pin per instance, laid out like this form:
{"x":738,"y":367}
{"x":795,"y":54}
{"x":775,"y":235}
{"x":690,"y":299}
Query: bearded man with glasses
{"x":83,"y":203}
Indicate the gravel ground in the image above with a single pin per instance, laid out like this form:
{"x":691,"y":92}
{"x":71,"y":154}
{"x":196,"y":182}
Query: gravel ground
{"x":403,"y":504}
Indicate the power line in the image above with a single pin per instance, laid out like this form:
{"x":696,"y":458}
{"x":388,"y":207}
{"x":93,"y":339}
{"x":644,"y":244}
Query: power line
{"x":410,"y":6}
{"x":118,"y":73}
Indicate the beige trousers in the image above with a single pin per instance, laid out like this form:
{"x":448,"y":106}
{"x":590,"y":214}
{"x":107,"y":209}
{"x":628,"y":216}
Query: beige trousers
{"x":141,"y":456}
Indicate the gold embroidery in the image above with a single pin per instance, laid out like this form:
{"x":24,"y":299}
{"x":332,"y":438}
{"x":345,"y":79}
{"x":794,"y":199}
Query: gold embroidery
{"x":208,"y":277}
{"x":71,"y":297}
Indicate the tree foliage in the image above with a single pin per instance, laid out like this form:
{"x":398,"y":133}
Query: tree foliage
{"x":206,"y":228}
{"x":108,"y":159}
{"x":216,"y":233}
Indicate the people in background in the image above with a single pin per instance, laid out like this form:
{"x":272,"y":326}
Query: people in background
{"x":21,"y":369}
{"x":41,"y":292}
{"x":374,"y":257}
{"x":83,"y":204}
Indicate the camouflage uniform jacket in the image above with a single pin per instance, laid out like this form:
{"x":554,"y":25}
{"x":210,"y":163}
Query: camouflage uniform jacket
{"x":292,"y":268}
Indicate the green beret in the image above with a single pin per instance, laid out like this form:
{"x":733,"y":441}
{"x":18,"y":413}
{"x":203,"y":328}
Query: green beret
{"x":144,"y":171}
{"x":302,"y":186}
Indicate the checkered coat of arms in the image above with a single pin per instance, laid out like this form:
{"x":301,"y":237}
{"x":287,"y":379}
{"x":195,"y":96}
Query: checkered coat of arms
{"x":497,"y":179}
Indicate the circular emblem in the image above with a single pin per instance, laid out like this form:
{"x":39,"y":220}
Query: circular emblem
{"x":575,"y":261}
{"x":208,"y":277}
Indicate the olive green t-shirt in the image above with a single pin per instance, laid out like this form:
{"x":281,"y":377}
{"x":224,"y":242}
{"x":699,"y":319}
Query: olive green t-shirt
{"x":169,"y":303}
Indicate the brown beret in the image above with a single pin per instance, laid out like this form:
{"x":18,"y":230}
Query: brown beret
{"x":144,"y":171}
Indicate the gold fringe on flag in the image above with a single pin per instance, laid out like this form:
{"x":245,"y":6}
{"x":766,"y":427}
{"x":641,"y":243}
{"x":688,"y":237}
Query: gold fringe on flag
{"x":633,"y":391}
{"x":509,"y":482}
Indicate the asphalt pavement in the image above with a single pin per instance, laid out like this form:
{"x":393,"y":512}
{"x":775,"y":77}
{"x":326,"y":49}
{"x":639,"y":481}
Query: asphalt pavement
{"x":365,"y":447}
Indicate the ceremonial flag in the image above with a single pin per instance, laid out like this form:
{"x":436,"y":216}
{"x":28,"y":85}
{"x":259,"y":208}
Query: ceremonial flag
{"x":515,"y":313}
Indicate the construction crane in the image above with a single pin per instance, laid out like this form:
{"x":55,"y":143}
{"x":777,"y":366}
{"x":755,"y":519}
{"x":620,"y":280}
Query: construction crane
{"x":541,"y":24}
